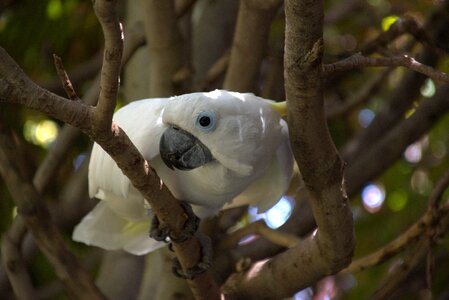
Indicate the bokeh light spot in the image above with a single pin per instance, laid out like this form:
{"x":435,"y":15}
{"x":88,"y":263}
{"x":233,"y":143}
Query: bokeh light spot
{"x":388,"y":21}
{"x":14,"y":212}
{"x":366,"y":116}
{"x":279,"y":214}
{"x":41,"y":133}
{"x":373,"y":196}
{"x":54,"y":9}
{"x":305,"y":294}
{"x":428,"y":89}
{"x":46,"y":132}
{"x":438,"y":149}
{"x":397,"y":200}
{"x":77,"y":161}
{"x":420,"y":182}
{"x":413,"y":153}
{"x":275,"y":216}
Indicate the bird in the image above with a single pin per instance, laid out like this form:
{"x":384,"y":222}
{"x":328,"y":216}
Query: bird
{"x":214,"y":150}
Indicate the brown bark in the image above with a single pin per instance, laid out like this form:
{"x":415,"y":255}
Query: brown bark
{"x":96,"y":123}
{"x":330,"y":248}
{"x":249,"y":44}
{"x":164,"y":46}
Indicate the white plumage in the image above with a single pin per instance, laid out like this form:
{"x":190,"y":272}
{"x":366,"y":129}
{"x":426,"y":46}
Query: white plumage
{"x":252,"y":164}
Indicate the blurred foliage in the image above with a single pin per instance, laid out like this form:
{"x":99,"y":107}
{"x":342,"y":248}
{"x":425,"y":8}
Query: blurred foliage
{"x":31,"y":31}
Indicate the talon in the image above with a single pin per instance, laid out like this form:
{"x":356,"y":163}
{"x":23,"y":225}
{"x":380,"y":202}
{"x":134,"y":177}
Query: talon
{"x":203,"y":265}
{"x":157,"y":232}
{"x":163,"y":234}
{"x":190,"y":227}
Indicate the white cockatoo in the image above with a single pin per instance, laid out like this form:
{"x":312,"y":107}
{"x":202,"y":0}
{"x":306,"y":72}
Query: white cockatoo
{"x":213,"y":150}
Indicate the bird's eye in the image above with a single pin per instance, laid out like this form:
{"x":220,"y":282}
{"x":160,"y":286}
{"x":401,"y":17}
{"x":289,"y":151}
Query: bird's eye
{"x":206,"y":120}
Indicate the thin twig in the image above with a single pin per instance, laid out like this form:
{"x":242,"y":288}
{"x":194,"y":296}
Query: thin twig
{"x":428,"y":224}
{"x":67,"y":85}
{"x":405,"y":24}
{"x":359,"y":61}
{"x":438,"y":190}
{"x":398,"y":244}
{"x":362,"y":96}
{"x":411,"y":260}
{"x":389,"y":148}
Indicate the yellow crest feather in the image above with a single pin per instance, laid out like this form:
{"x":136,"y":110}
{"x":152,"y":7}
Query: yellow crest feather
{"x":280,"y":107}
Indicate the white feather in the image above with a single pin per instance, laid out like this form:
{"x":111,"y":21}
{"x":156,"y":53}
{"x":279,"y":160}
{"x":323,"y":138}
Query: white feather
{"x":253,"y":164}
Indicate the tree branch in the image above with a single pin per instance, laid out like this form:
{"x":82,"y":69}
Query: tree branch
{"x":429,"y":222}
{"x":164,"y":45}
{"x":110,"y":70}
{"x":400,"y":273}
{"x":14,"y":264}
{"x":405,"y":24}
{"x":17,"y":88}
{"x":249,"y":44}
{"x":361,"y":96}
{"x":66,"y":84}
{"x":415,"y":232}
{"x":358,"y":61}
{"x":330,"y":248}
{"x":405,"y":92}
{"x":48,"y":237}
{"x":374,"y":160}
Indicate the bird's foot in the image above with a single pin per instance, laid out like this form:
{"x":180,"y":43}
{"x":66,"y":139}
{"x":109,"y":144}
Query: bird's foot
{"x":204,"y":263}
{"x":157,"y":231}
{"x":163,"y":234}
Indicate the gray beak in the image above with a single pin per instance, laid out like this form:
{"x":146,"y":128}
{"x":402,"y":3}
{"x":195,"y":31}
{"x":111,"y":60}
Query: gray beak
{"x":181,"y":150}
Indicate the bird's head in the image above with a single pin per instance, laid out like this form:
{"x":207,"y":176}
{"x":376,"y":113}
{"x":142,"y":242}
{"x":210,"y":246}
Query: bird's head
{"x":236,"y":130}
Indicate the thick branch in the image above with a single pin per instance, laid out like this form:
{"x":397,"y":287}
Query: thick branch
{"x":17,"y":88}
{"x":330,"y":248}
{"x":249,"y":44}
{"x":110,"y":70}
{"x":164,"y":45}
{"x":318,"y":160}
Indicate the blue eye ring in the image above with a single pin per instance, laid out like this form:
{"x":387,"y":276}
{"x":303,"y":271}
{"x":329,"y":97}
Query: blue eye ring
{"x":206,"y":121}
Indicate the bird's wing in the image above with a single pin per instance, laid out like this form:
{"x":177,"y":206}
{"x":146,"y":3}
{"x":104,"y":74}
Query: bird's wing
{"x":142,"y":122}
{"x":102,"y":227}
{"x":268,"y":189}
